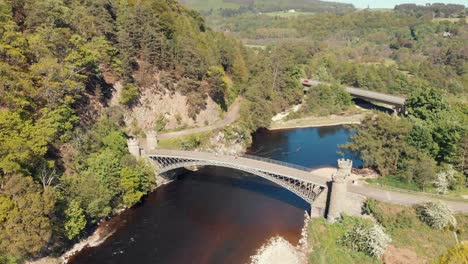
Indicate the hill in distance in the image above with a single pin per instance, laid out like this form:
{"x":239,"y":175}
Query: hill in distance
{"x":207,"y":6}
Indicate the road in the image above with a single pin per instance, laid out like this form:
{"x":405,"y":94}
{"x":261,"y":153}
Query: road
{"x":401,"y":198}
{"x":230,"y":117}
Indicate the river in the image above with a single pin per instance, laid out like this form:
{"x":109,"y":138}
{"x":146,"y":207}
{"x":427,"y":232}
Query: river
{"x":218,"y":215}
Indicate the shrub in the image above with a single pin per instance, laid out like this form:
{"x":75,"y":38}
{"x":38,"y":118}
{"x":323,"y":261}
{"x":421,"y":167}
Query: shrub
{"x":129,"y":94}
{"x":436,"y":215}
{"x":458,"y":254}
{"x":371,"y":240}
{"x":161,"y":122}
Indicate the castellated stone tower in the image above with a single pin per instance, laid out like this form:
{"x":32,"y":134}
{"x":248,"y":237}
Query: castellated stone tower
{"x":339,"y":189}
{"x":134,"y":147}
{"x":151,"y":140}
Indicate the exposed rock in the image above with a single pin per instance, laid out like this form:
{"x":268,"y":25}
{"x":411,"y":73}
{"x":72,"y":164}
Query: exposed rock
{"x":277,"y":251}
{"x":220,"y":144}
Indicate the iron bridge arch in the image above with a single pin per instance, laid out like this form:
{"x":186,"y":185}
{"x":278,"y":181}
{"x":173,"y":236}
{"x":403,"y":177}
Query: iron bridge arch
{"x":305,"y":189}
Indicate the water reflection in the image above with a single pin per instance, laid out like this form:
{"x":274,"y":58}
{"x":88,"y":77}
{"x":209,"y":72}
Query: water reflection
{"x":308,"y":147}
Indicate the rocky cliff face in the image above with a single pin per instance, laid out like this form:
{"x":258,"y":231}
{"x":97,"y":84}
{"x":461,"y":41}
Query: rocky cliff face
{"x":159,"y":107}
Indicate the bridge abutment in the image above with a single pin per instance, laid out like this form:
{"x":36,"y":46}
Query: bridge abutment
{"x":338,"y":191}
{"x":133,"y":145}
{"x":151,"y":140}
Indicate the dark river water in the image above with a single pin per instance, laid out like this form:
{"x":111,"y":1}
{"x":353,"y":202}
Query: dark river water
{"x":218,"y":215}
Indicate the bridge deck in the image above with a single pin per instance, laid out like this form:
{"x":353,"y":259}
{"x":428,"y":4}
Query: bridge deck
{"x":260,"y":164}
{"x":364,"y":94}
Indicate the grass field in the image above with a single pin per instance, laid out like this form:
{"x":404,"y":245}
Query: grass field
{"x":209,"y":4}
{"x":453,"y":20}
{"x":403,"y":225}
{"x":287,"y":14}
{"x":186,"y":142}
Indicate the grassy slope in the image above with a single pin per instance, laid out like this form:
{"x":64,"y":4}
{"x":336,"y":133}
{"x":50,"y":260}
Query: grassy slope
{"x":406,"y":230}
{"x":325,"y":249}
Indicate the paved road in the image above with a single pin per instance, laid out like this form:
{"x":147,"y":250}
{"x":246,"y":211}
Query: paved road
{"x":230,"y":117}
{"x":402,"y":198}
{"x":364,"y":94}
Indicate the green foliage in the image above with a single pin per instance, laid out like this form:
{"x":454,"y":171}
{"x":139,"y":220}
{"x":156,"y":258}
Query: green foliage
{"x":407,"y":230}
{"x":436,"y":215}
{"x":324,"y":238}
{"x":456,"y":254}
{"x":371,"y":240}
{"x":218,"y":86}
{"x":161,"y":122}
{"x":326,"y":100}
{"x":129,"y":94}
{"x":381,"y":142}
{"x":75,"y":220}
{"x":425,"y":104}
{"x":21,"y":141}
{"x":135,"y":182}
{"x":391,"y":222}
{"x":25,"y":225}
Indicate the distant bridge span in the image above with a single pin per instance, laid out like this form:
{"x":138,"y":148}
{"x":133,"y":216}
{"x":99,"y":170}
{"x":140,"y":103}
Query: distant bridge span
{"x":296,"y":179}
{"x":396,"y":101}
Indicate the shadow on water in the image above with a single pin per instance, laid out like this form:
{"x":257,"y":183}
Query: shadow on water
{"x":248,"y":182}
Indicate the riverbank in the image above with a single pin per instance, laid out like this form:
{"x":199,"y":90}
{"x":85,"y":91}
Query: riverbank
{"x":104,"y":230}
{"x":279,"y":251}
{"x":315,"y":121}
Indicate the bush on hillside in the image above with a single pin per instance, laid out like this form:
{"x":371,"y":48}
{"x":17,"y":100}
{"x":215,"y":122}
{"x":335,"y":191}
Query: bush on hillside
{"x":457,"y":254}
{"x":129,"y":94}
{"x":371,"y":240}
{"x":436,"y":215}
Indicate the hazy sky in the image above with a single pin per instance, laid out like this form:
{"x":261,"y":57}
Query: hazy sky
{"x":392,"y":3}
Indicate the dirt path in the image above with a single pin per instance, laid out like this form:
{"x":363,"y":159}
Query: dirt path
{"x":230,"y":117}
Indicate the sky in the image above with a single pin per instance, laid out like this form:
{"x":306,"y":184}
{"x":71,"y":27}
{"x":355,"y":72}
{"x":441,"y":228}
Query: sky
{"x":392,"y":3}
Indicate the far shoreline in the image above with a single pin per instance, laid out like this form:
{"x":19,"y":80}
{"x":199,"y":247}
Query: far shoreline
{"x":310,"y":122}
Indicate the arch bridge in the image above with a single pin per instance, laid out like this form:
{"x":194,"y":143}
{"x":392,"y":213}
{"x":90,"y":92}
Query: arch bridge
{"x":296,"y":179}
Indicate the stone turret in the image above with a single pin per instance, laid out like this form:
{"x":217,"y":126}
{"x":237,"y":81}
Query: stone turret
{"x":151,"y":140}
{"x":339,"y":189}
{"x":134,"y":147}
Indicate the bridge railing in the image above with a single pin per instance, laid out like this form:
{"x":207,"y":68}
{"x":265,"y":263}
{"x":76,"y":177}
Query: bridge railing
{"x":294,"y":166}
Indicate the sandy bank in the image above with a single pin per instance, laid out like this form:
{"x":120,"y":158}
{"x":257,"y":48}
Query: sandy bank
{"x":279,"y":251}
{"x":332,"y":120}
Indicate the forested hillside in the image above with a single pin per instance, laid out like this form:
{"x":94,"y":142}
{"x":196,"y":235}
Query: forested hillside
{"x":64,"y":163}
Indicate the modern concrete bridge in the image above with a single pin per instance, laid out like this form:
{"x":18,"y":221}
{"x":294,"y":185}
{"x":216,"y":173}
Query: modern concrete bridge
{"x":396,"y":101}
{"x":296,"y":179}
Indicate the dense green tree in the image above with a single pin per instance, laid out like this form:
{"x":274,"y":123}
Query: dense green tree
{"x":25,"y":209}
{"x":326,"y":99}
{"x":381,"y":142}
{"x":135,"y":182}
{"x":218,"y":85}
{"x":21,"y":142}
{"x":75,"y":220}
{"x":425,"y":103}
